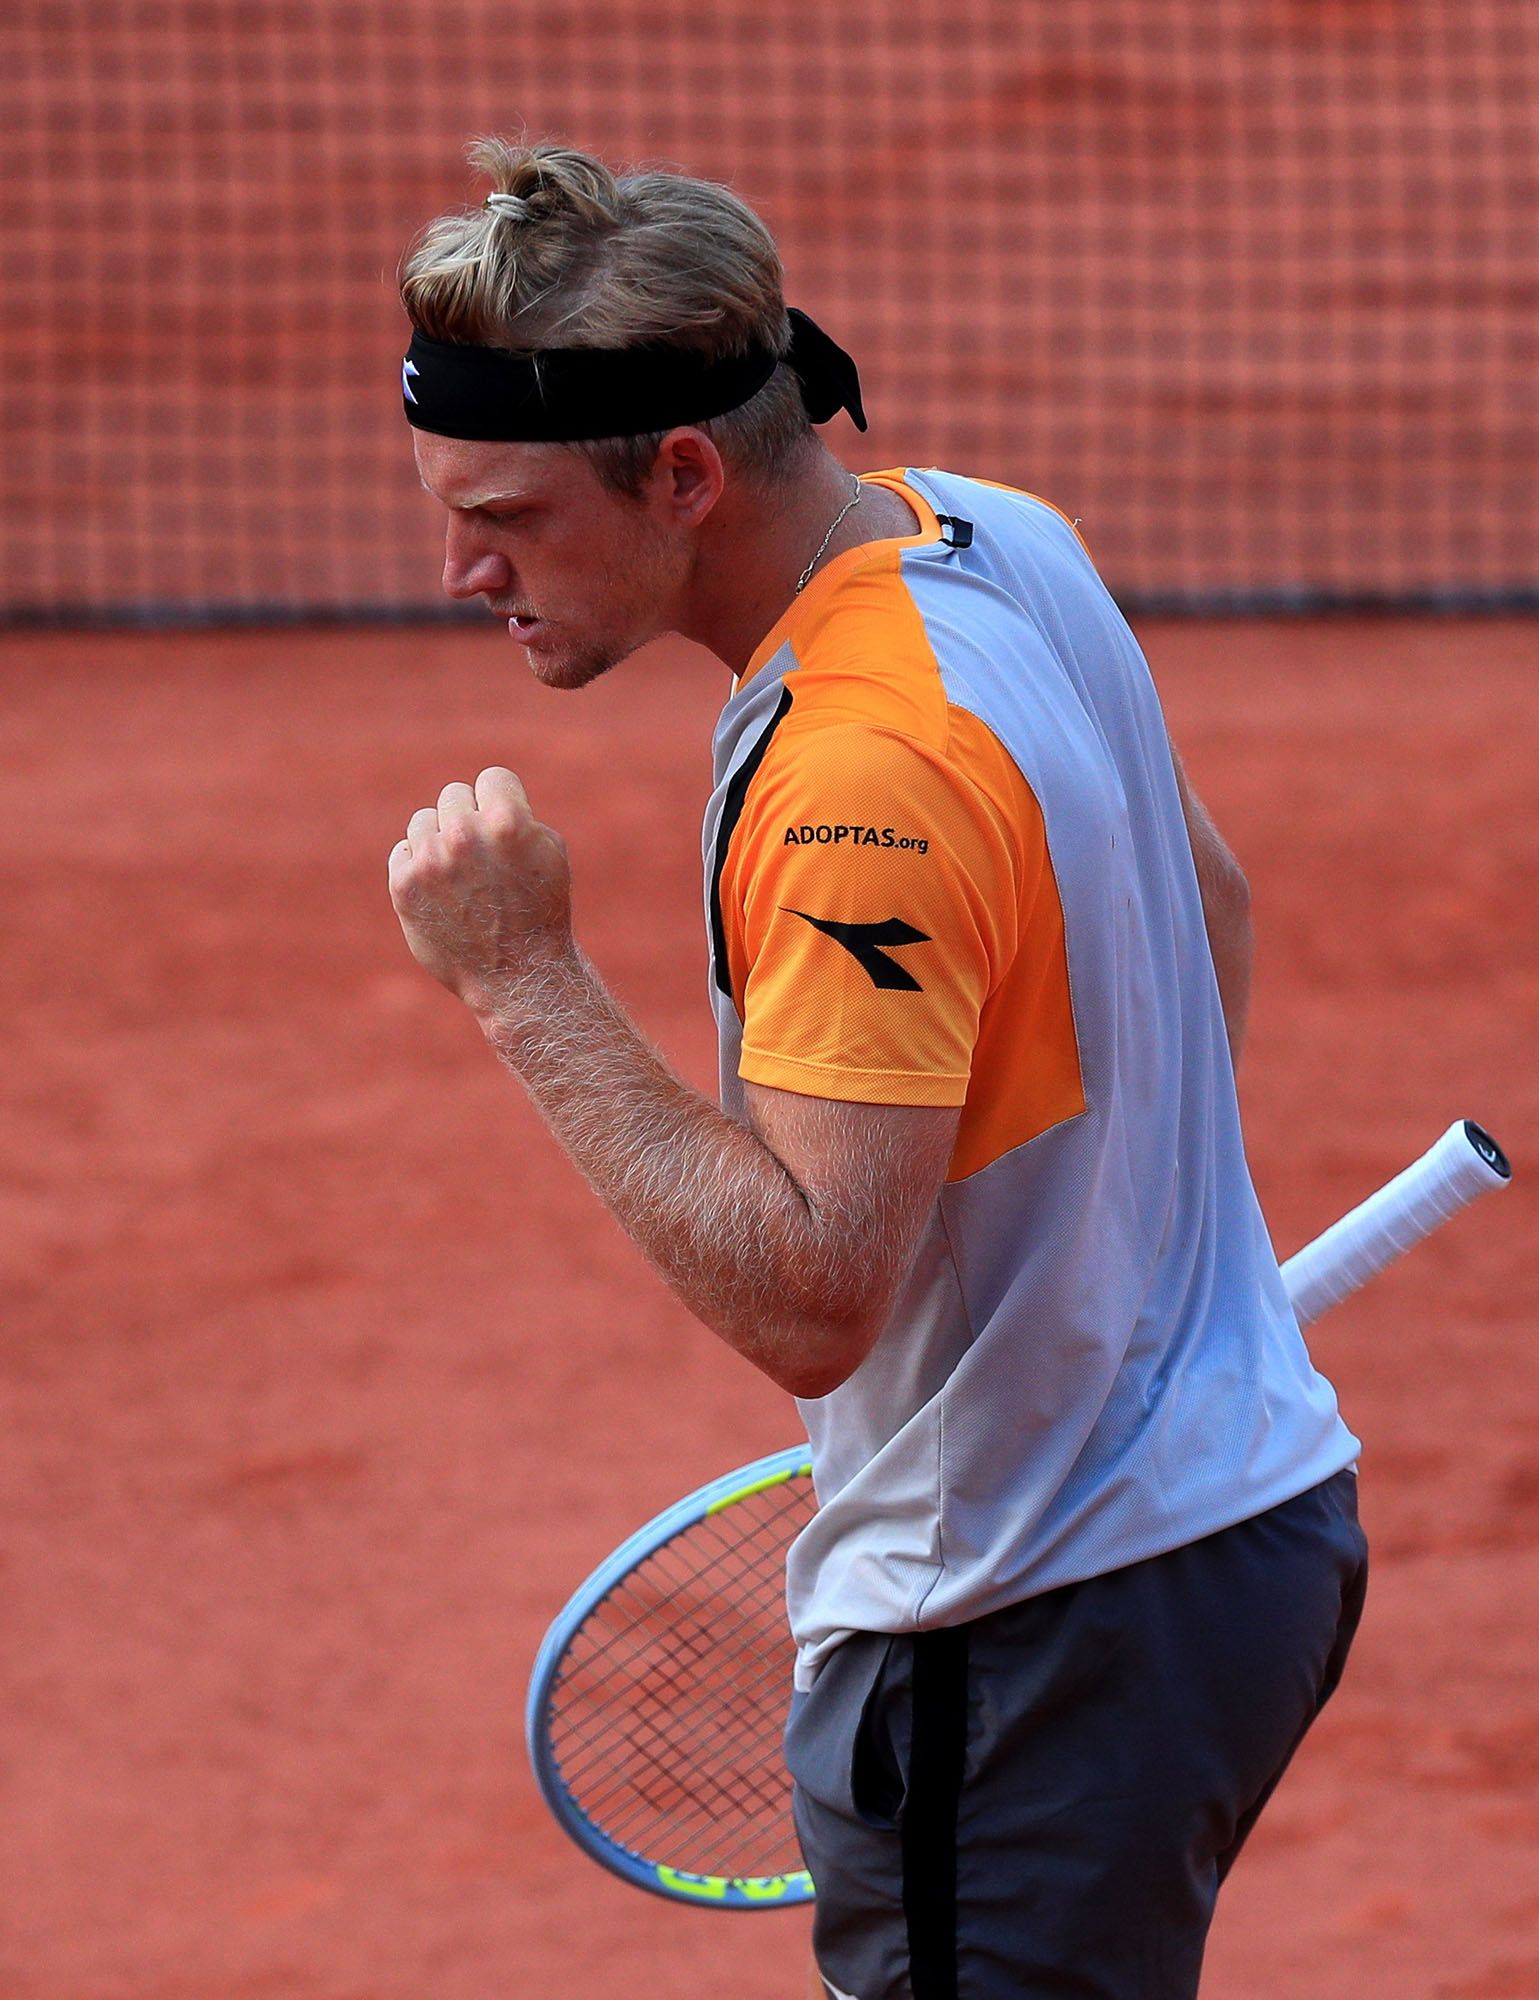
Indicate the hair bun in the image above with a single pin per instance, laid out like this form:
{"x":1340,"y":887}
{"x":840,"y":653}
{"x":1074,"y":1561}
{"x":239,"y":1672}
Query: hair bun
{"x":510,"y":207}
{"x":548,"y":184}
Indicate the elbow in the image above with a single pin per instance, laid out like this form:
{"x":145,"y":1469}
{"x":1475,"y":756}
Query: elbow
{"x":811,"y":1361}
{"x":810,"y":1384}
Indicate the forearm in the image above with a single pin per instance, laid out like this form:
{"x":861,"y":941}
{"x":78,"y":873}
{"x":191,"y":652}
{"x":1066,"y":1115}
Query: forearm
{"x":763,"y":1262}
{"x":788,"y":1234}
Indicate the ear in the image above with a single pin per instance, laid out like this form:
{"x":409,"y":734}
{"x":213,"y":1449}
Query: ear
{"x":688,"y":477}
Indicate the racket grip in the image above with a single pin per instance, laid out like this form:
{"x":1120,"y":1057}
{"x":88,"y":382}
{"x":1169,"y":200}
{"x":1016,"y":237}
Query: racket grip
{"x":1464,"y":1163}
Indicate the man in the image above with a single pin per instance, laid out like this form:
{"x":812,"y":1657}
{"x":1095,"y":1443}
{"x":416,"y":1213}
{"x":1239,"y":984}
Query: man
{"x":1087,"y":1562}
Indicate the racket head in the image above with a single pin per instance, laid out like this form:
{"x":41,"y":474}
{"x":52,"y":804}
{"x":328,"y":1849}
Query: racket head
{"x":658,"y":1698}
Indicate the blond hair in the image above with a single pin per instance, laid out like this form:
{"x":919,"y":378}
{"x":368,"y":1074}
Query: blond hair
{"x":564,"y":253}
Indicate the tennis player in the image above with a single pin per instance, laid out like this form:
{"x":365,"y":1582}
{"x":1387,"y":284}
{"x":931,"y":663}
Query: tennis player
{"x":1087,"y":1560}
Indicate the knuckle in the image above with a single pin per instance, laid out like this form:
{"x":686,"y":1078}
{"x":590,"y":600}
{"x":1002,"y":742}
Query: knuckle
{"x":498,"y":790}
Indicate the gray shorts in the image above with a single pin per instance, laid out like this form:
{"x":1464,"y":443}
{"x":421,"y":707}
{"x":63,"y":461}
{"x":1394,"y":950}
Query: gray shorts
{"x":1041,"y":1805}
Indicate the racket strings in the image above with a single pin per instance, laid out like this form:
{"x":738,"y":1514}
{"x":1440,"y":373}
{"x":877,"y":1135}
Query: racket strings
{"x":605,"y":1689}
{"x":719,"y":1784}
{"x":667,"y":1715}
{"x":662,"y":1703}
{"x":663,"y":1787}
{"x":663,"y":1719}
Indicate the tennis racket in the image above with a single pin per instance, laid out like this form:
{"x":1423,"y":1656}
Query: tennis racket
{"x":658,"y":1698}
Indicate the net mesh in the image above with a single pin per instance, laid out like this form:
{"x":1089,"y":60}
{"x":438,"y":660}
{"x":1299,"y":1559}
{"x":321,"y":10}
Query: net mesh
{"x":1249,"y":285}
{"x":667,"y":1714}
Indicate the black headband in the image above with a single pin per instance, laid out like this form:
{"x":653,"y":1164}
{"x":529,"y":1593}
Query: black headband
{"x":567,"y":394}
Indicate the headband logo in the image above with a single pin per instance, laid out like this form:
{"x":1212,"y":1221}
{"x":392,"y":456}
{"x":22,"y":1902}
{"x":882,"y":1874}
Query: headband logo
{"x":408,"y":368}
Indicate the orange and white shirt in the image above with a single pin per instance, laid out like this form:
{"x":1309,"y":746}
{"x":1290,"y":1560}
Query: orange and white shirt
{"x":946,"y":863}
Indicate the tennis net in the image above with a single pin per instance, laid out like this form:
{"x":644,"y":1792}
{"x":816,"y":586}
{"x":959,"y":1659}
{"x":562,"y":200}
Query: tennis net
{"x":1248,"y":285}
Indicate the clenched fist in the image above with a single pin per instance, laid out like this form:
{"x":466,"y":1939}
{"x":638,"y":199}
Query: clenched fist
{"x":482,"y":889}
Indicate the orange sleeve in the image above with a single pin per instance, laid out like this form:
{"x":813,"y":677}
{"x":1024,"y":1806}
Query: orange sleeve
{"x":870,"y":904}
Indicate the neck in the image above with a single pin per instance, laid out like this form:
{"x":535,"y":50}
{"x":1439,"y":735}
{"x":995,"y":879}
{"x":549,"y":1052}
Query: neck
{"x":755,"y":546}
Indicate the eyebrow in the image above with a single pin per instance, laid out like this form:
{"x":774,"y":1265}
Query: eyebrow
{"x":480,"y":500}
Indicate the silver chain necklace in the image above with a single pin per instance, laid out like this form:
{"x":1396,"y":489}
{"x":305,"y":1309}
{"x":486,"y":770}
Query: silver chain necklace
{"x":853,"y":501}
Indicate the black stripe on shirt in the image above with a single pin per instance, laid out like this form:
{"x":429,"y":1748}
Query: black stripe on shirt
{"x":731,"y":813}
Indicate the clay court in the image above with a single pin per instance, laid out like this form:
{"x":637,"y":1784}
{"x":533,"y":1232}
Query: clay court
{"x":326,"y":1380}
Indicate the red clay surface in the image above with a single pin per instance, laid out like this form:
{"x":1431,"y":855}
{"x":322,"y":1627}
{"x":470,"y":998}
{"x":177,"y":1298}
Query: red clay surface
{"x":326,"y":1380}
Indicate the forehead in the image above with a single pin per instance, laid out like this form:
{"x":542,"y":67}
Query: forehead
{"x":463,"y":473}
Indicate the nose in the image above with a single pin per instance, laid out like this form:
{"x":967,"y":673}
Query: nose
{"x":471,"y":567}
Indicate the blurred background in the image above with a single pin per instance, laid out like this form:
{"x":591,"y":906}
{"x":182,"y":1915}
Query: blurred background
{"x":1248,"y":285}
{"x":324,"y":1380}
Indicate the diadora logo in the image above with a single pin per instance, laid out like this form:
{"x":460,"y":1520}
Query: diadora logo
{"x":408,"y":369}
{"x":869,"y":944}
{"x":853,"y":836}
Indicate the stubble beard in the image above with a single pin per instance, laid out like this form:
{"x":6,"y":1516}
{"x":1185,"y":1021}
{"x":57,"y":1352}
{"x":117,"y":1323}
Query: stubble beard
{"x":580,"y":664}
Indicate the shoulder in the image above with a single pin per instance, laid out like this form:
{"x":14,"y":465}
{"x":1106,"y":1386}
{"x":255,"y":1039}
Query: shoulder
{"x":865,"y":659}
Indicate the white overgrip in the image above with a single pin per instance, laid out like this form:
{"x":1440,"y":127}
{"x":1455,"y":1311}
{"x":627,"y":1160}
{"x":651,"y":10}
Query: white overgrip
{"x":1464,"y":1163}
